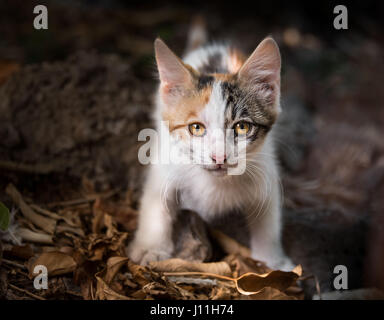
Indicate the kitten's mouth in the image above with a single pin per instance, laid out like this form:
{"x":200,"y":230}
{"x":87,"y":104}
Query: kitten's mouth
{"x":218,"y":169}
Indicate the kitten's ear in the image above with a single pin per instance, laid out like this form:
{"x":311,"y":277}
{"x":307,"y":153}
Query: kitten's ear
{"x":172,"y":71}
{"x":261,"y":71}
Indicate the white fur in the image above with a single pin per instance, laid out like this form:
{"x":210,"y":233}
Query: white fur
{"x":171,"y":187}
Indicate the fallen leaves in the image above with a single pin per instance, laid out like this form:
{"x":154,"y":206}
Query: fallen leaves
{"x":271,"y":284}
{"x":82,"y":240}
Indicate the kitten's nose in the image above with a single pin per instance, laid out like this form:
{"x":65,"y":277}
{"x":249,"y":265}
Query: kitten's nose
{"x":219,"y":158}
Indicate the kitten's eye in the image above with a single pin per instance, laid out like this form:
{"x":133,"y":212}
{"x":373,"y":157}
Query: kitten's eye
{"x":242,"y":128}
{"x":197,"y":129}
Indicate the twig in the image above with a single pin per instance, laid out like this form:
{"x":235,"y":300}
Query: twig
{"x":196,"y":273}
{"x":77,"y":231}
{"x":26,"y":292}
{"x":15,"y":264}
{"x":52,"y":215}
{"x":31,"y":236}
{"x":87,"y":199}
{"x":28,"y":168}
{"x":48,"y":213}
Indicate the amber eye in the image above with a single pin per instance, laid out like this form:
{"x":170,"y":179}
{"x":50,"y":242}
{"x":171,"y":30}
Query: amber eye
{"x":197,"y":129}
{"x":242,"y":128}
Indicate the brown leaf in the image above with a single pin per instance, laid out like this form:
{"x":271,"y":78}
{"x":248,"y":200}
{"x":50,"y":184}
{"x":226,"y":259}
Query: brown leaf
{"x":32,"y":236}
{"x":140,"y":274}
{"x":221,"y":293}
{"x":252,"y":283}
{"x":241,"y":265}
{"x":98,"y":220}
{"x":57,"y":263}
{"x":45,"y":223}
{"x":104,"y":292}
{"x":113,"y":266}
{"x":179,"y":265}
{"x":122,"y":213}
{"x":105,"y":278}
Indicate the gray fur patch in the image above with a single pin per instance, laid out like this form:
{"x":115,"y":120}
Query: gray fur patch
{"x":214,"y":64}
{"x":245,"y":105}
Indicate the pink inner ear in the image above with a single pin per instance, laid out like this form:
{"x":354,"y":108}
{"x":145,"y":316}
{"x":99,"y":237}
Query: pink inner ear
{"x":171,"y":69}
{"x":263,"y":66}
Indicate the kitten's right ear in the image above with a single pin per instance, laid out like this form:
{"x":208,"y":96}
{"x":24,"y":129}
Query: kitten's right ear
{"x":173,"y":73}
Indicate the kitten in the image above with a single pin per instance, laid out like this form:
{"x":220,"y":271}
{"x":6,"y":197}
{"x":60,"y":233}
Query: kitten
{"x":211,"y":90}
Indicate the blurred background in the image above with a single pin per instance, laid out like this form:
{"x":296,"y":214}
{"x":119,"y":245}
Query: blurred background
{"x":74,"y":97}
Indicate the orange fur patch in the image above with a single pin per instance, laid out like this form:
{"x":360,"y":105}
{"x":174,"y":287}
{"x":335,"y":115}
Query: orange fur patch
{"x":227,"y":77}
{"x":187,"y":108}
{"x":235,"y":61}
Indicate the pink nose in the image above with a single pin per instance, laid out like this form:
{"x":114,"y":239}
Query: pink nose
{"x":219,"y":158}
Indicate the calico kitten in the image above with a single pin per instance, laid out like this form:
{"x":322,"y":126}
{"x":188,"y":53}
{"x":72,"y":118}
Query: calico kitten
{"x":215,"y":90}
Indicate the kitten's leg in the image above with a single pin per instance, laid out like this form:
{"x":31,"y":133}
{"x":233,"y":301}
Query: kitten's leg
{"x":153,"y":238}
{"x":265,"y":235}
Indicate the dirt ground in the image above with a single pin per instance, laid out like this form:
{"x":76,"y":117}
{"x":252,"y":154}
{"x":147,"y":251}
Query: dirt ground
{"x":74,"y":97}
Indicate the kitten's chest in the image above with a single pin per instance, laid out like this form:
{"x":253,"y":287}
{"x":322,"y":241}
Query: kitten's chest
{"x":211,"y":200}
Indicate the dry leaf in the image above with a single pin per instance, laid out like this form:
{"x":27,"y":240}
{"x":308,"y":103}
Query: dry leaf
{"x":241,"y":265}
{"x":113,"y":266}
{"x":45,"y":223}
{"x":221,"y":293}
{"x":252,"y":283}
{"x":57,"y":263}
{"x":32,"y":236}
{"x":138,"y":273}
{"x":104,"y":292}
{"x":105,"y":278}
{"x":179,"y":265}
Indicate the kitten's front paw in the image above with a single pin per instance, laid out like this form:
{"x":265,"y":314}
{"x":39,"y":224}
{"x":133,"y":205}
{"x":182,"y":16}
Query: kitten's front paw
{"x":276,"y":261}
{"x":283,"y":264}
{"x":143,"y":255}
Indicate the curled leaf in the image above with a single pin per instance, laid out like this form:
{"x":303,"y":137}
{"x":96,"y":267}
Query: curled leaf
{"x":179,"y":265}
{"x":104,"y":292}
{"x":252,"y":283}
{"x":57,"y":263}
{"x":114,"y":264}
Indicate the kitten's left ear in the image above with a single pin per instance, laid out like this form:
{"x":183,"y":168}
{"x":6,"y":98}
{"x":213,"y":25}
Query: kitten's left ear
{"x":261,"y":71}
